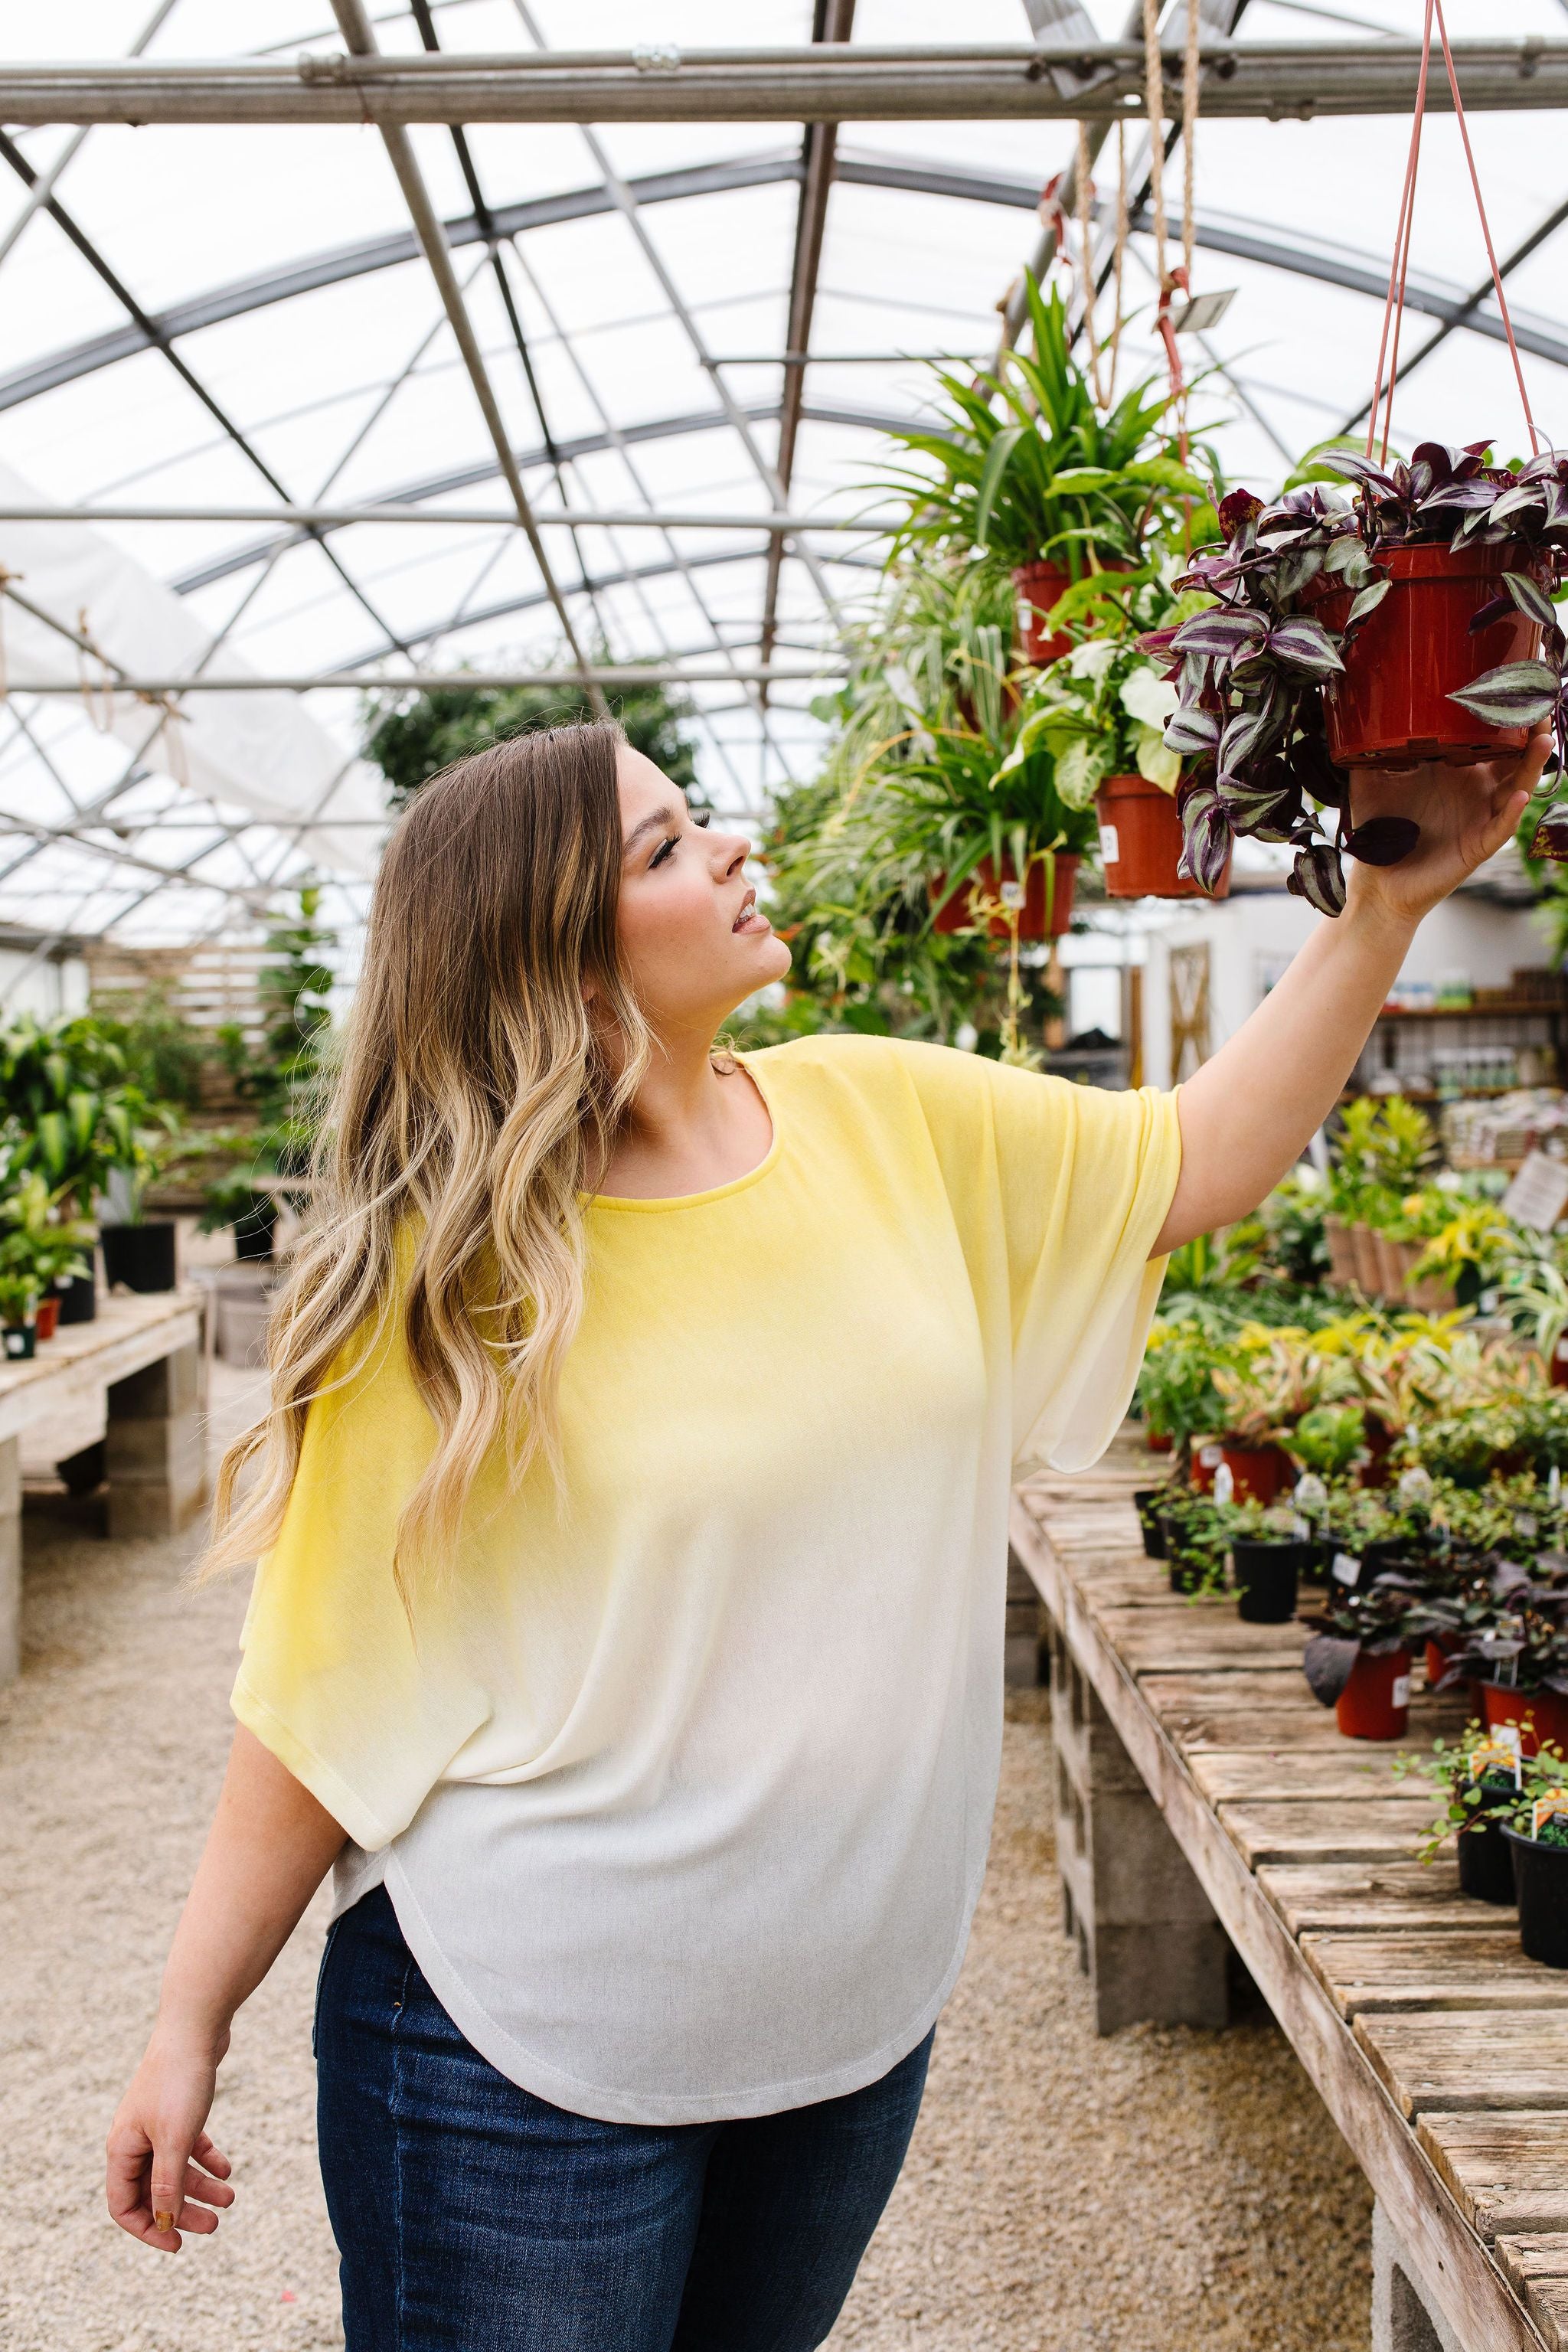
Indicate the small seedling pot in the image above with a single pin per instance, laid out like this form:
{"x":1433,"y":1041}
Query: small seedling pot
{"x":141,"y":1256}
{"x":1536,"y":1715}
{"x":1258,"y":1473}
{"x":18,"y":1341}
{"x":1541,"y":1888}
{"x":1440,"y":1648}
{"x":1044,"y":914}
{"x":254,"y":1231}
{"x":1391,"y":708}
{"x":1159,"y":1441}
{"x":1141,"y":843}
{"x":1375,"y":1702}
{"x":1486,"y":1862}
{"x":1265,"y":1576}
{"x":1146,"y":1502}
{"x":49,"y":1314}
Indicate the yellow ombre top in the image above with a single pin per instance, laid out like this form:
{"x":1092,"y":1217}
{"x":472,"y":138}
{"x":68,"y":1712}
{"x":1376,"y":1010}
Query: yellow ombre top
{"x":683,"y":1797}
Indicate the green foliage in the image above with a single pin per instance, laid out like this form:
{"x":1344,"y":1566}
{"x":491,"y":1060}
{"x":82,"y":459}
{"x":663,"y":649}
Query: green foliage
{"x":410,"y":739}
{"x":1020,"y":465}
{"x":37,"y":1240}
{"x":69,"y":1111}
{"x":159,"y":1047}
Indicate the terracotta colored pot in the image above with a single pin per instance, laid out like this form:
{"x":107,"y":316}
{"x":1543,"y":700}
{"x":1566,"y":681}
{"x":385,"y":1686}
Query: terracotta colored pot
{"x":1034,"y":920}
{"x":1440,"y":1648}
{"x":1368,"y":1259}
{"x":1395,"y":1260}
{"x":49,"y":1314}
{"x":1391,"y":708}
{"x":1342,"y":1252}
{"x":1559,"y":1365}
{"x":1538,"y":1715}
{"x":1141,"y":840}
{"x":1037,"y":587}
{"x":1259,"y":1472}
{"x":1159,"y":1441}
{"x":1375,"y":1702}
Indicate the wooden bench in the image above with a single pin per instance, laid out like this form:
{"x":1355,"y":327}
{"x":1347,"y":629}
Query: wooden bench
{"x":145,"y":1352}
{"x":1208,"y":1807}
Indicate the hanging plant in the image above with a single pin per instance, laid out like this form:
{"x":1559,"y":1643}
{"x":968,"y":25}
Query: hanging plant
{"x":1295,"y":587}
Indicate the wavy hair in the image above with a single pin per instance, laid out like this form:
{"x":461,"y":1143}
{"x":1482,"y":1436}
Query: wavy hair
{"x":472,"y":1084}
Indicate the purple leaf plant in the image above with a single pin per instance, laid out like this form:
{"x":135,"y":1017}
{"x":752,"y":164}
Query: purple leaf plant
{"x":1252,"y":667}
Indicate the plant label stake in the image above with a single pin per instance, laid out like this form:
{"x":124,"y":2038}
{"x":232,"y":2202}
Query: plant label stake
{"x":1555,"y":1802}
{"x":1498,"y":1754}
{"x":1346,"y":1568}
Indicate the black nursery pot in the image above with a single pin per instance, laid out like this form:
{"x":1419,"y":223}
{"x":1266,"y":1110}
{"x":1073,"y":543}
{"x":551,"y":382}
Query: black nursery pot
{"x":141,"y":1256}
{"x":1187,"y":1569}
{"x":1264,"y":1575}
{"x":79,"y":1298}
{"x":1146,"y":1502}
{"x":253,"y":1230}
{"x":1485,"y":1866}
{"x":1541,"y":1884}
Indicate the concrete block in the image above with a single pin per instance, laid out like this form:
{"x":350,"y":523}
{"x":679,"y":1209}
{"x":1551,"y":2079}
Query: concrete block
{"x":10,"y":1559}
{"x":1404,"y":2317}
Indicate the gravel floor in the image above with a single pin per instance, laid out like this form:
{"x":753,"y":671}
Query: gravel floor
{"x":1158,"y":2193}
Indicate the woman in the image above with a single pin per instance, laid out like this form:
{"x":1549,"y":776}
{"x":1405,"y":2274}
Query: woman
{"x":631,"y":1512}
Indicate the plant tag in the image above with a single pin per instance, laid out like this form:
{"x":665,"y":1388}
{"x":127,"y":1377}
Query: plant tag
{"x":1400,"y":1694}
{"x":1110,"y":845}
{"x":1012,"y":893}
{"x":1527,"y":1523}
{"x":1556,"y":1800}
{"x":1211,"y":1456}
{"x":1023,"y":620}
{"x":1301,"y":1528}
{"x":1346,"y":1568}
{"x":1539,"y":1194}
{"x":1224,"y":1484}
{"x":1499,"y":1753}
{"x":1554,"y":1478}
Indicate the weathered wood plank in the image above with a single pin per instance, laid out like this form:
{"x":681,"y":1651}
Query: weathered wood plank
{"x":1506,"y":2172}
{"x":1180,"y":1691}
{"x":1476,"y":2300}
{"x":1289,"y":1728}
{"x":1459,"y":2059}
{"x":1347,"y":1771}
{"x":1539,"y":2269}
{"x":1376,"y":1829}
{"x":1203,"y":1636}
{"x":1390,"y":1896}
{"x":1438,"y":1969}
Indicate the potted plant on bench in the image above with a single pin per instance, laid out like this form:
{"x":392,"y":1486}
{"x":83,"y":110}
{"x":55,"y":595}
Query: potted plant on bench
{"x":1537,"y":1838}
{"x":1358,"y":1659}
{"x":37,"y":1238}
{"x":1477,"y":1780}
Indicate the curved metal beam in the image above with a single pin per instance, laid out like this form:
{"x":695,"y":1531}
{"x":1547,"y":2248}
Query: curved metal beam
{"x":462,"y":478}
{"x":242,"y":296}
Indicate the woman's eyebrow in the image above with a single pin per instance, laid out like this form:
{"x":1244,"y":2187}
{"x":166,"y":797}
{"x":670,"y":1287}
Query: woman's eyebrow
{"x":660,"y":817}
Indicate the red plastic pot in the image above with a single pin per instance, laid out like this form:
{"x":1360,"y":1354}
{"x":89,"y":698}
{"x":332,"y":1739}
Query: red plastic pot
{"x":1036,"y":921}
{"x":1207,"y":1455}
{"x":1375,"y":1702}
{"x":1260,"y":1473}
{"x":1159,"y":1441}
{"x":1440,"y":1648}
{"x":1391,"y":708}
{"x":48,"y":1315}
{"x":1037,"y":587}
{"x":1141,"y":840}
{"x":1538,"y":1715}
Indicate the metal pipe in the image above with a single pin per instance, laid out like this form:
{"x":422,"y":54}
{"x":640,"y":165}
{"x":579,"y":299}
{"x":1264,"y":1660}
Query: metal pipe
{"x":354,"y":26}
{"x":494,"y":518}
{"x":1099,"y":80}
{"x":614,"y":675}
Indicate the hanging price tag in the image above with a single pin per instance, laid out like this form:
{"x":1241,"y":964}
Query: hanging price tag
{"x":1400,"y":1694}
{"x":1346,"y":1568}
{"x":1110,"y":845}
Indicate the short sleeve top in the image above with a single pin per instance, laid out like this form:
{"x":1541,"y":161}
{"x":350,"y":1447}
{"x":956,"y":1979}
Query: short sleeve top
{"x":681,"y":1781}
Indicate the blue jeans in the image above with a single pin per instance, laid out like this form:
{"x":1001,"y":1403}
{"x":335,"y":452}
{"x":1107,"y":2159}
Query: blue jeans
{"x":472,"y":2217}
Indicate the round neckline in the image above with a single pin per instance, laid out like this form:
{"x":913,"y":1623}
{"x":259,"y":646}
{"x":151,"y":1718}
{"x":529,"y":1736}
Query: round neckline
{"x":619,"y":1201}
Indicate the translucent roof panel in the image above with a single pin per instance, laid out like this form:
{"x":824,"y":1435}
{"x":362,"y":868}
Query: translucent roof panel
{"x":220,"y":326}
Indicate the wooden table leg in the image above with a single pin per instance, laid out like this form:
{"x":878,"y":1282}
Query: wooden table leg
{"x":10,"y":1559}
{"x":157,"y":1477}
{"x":1147,"y":1935}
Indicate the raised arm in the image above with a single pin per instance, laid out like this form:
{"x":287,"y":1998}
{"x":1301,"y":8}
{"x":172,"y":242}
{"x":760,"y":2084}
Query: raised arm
{"x":268,"y":1849}
{"x":1248,"y":1113}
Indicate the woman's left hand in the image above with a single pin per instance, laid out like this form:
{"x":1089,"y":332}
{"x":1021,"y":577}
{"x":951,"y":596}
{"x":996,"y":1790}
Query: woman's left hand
{"x":1466,"y":814}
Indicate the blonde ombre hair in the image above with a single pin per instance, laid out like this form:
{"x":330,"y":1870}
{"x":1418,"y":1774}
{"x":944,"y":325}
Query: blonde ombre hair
{"x":472,"y":1086}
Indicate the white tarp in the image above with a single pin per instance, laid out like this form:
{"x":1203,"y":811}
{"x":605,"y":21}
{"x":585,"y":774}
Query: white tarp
{"x":256,"y":752}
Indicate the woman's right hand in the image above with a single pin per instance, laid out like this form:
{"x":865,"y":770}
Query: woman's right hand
{"x":165,"y":2174}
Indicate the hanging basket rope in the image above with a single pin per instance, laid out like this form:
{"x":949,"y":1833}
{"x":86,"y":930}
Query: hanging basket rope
{"x":1394,"y":307}
{"x":1103,"y":367}
{"x":1179,"y":281}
